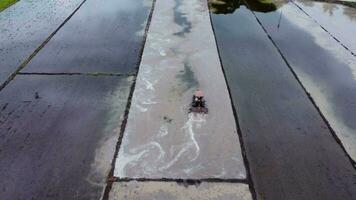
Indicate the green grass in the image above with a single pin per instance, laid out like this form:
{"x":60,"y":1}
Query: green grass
{"x":6,"y":3}
{"x":350,"y":4}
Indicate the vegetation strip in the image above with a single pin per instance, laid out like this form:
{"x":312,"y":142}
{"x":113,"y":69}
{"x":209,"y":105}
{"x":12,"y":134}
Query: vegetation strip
{"x":349,"y":3}
{"x":6,"y":3}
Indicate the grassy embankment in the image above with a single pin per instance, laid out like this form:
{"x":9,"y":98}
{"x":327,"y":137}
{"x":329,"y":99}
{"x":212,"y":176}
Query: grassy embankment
{"x":349,"y":3}
{"x":6,"y":3}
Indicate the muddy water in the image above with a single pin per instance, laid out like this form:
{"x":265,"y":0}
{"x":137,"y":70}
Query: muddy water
{"x":163,"y":140}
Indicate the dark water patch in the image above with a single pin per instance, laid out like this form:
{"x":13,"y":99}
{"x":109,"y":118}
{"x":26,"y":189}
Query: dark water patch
{"x":187,"y":77}
{"x":181,"y":19}
{"x":167,"y":119}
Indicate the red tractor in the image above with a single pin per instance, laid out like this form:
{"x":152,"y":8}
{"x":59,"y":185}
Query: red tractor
{"x":198,"y":103}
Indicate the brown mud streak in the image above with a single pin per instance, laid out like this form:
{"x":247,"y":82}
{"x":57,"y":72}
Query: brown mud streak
{"x":331,"y":35}
{"x":249,"y":180}
{"x":38,"y":49}
{"x":111,"y":178}
{"x":331,"y":130}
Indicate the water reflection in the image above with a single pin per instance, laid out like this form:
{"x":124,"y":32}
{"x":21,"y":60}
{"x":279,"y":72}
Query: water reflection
{"x":229,"y":6}
{"x":350,"y":13}
{"x":329,"y":8}
{"x":349,"y":8}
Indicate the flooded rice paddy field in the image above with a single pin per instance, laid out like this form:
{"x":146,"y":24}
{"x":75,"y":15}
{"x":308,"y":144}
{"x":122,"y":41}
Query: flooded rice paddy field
{"x":95,"y":98}
{"x":276,"y":59}
{"x":59,"y":123}
{"x":25,"y":26}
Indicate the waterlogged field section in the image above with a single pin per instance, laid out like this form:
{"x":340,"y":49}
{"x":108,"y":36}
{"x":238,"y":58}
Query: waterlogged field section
{"x":6,"y":3}
{"x":326,"y":69}
{"x":292,"y":153}
{"x":58,"y":131}
{"x":25,"y":26}
{"x":60,"y":134}
{"x":103,"y":36}
{"x":162,"y":140}
{"x":338,"y":20}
